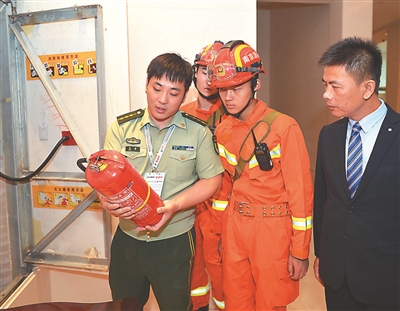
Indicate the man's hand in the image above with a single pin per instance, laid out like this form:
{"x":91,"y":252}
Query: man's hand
{"x":116,"y":209}
{"x":297,"y":268}
{"x":169,"y":208}
{"x":316,"y":271}
{"x":202,"y":190}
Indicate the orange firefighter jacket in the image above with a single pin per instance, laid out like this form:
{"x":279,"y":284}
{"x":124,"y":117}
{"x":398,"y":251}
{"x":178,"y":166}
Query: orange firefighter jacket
{"x":288,"y":181}
{"x":208,"y":227}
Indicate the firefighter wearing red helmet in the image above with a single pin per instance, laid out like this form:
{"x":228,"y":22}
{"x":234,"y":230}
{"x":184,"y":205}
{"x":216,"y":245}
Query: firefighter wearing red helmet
{"x":207,"y":267}
{"x":208,"y":96}
{"x":266,"y":227}
{"x":204,"y":58}
{"x":236,"y":63}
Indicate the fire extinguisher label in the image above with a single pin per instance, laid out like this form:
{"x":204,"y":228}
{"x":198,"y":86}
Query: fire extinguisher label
{"x":127,"y":197}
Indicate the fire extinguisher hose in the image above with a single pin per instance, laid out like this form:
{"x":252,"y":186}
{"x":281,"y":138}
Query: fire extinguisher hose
{"x":37,"y":171}
{"x":80,"y":162}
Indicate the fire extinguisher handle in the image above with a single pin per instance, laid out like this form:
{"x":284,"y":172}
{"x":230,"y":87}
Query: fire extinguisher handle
{"x":80,"y":164}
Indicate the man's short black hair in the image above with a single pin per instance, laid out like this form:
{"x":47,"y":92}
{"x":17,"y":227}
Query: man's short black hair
{"x":361,"y":58}
{"x":173,"y":66}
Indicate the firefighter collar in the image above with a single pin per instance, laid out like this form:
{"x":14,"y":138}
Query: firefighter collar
{"x":156,"y":161}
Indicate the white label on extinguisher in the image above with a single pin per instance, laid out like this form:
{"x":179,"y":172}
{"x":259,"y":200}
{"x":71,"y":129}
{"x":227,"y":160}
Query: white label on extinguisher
{"x":127,"y":197}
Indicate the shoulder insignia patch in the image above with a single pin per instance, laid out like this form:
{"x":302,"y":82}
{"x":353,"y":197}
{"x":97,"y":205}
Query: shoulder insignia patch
{"x":193,"y":118}
{"x":130,"y":116}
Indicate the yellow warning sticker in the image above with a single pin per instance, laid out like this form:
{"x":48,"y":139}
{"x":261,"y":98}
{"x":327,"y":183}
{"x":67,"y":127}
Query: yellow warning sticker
{"x":65,"y":65}
{"x":62,"y":197}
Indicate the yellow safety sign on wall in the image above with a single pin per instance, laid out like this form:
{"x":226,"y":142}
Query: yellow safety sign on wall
{"x":65,"y":65}
{"x":61,"y":197}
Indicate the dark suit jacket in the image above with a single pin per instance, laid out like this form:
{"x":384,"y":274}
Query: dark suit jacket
{"x":359,"y":238}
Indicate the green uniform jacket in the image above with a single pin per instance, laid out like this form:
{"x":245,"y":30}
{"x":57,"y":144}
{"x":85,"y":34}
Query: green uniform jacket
{"x":188,"y":156}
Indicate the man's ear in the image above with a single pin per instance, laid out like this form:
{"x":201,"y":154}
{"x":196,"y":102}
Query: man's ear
{"x":258,"y":85}
{"x":369,"y":89}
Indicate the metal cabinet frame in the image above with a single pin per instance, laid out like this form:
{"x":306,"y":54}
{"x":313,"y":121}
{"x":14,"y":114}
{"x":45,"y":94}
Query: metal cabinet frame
{"x":23,"y":253}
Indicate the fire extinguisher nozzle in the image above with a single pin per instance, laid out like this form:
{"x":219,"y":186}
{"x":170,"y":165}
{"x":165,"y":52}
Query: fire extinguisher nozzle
{"x":80,"y":162}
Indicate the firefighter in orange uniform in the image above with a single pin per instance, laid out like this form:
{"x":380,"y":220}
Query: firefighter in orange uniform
{"x":267,"y":225}
{"x":207,"y":107}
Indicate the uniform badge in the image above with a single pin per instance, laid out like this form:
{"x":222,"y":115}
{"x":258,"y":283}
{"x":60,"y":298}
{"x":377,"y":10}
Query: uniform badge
{"x":186,"y":148}
{"x":132,"y":141}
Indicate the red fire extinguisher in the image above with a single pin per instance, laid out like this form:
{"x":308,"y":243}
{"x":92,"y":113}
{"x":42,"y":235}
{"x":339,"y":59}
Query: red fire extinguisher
{"x":110,"y":173}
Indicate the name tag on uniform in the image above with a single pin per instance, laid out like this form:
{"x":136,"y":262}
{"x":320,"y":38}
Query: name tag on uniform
{"x":132,"y":148}
{"x":156,"y":181}
{"x":187,"y":148}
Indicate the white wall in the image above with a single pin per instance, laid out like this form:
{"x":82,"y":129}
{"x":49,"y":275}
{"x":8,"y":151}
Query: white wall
{"x":182,"y":26}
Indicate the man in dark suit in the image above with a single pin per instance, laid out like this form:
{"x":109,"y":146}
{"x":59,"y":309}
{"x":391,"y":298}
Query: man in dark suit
{"x":356,"y":209}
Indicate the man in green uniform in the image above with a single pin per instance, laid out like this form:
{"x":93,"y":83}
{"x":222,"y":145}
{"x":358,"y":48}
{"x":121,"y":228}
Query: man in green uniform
{"x":161,"y":140}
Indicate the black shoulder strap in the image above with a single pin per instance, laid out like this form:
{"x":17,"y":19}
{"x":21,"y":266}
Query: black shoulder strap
{"x":130,"y":116}
{"x":215,"y":117}
{"x":268,"y":119}
{"x":193,"y":118}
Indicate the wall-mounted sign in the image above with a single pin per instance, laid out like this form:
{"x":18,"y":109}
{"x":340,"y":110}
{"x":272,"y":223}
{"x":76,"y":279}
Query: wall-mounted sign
{"x":65,"y":65}
{"x":61,"y":197}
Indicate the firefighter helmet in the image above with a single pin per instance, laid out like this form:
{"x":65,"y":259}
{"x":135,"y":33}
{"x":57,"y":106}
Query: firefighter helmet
{"x":208,"y":54}
{"x":204,"y":58}
{"x":236,"y":63}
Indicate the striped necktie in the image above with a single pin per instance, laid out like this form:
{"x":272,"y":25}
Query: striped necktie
{"x":354,"y":159}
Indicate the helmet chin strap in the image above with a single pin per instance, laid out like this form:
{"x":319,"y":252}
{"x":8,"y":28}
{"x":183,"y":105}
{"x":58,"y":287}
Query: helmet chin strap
{"x":208,"y":98}
{"x":211,"y":97}
{"x":237,"y":115}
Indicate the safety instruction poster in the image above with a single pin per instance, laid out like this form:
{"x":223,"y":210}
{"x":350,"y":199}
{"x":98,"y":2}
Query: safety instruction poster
{"x":61,"y":197}
{"x":65,"y":65}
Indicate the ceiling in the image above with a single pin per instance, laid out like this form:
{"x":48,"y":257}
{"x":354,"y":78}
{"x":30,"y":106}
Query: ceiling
{"x":385,"y":13}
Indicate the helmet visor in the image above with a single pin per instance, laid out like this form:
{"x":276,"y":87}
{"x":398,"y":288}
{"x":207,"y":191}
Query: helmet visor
{"x":222,"y":72}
